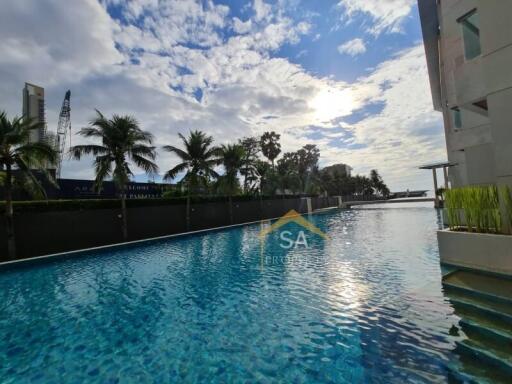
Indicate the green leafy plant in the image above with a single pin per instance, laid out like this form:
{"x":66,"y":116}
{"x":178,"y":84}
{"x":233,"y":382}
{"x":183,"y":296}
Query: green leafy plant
{"x":475,"y":209}
{"x":453,"y":207}
{"x":506,"y":198}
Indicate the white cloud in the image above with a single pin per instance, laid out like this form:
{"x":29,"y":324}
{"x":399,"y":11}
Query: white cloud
{"x":174,"y":22}
{"x":42,"y":41}
{"x":302,"y":53}
{"x":261,"y":9}
{"x":241,"y":27}
{"x":352,"y":47}
{"x":387,"y":15}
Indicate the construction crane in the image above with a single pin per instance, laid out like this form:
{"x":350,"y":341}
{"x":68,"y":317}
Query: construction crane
{"x":62,"y":129}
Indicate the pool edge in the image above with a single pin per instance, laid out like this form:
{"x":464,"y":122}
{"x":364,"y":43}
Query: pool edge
{"x":5,"y":265}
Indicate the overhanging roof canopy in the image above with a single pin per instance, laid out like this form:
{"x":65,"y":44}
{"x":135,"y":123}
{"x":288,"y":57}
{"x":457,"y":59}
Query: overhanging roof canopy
{"x":441,"y":164}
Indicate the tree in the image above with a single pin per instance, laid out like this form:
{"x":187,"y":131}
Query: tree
{"x":299,"y":170}
{"x":363,"y":186}
{"x":264,"y":174}
{"x":378,"y":184}
{"x":198,"y":159}
{"x":270,"y":146}
{"x":307,"y":162}
{"x":232,"y":158}
{"x":122,"y":141}
{"x":251,"y":146}
{"x":287,"y":172}
{"x":18,"y":159}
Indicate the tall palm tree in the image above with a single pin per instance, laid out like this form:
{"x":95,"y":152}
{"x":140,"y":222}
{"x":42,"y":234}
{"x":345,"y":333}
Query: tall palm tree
{"x":263,"y":171}
{"x":198,"y":158}
{"x":270,"y":146}
{"x":251,"y":146}
{"x":232,"y":157}
{"x":122,"y":141}
{"x":18,"y":159}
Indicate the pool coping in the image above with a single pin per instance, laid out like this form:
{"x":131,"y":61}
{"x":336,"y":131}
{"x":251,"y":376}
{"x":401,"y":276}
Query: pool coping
{"x":5,"y":265}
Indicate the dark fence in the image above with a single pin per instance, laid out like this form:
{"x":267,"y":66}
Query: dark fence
{"x":324,"y":202}
{"x":85,"y":189}
{"x":40,"y":232}
{"x":363,"y":198}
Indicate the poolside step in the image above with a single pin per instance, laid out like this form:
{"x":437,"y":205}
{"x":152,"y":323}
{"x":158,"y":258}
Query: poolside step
{"x":493,"y":341}
{"x":499,"y":359}
{"x":447,"y":270}
{"x":485,"y":311}
{"x":477,"y":330}
{"x":461,"y":374}
{"x":467,"y":372}
{"x":475,"y":284}
{"x":484,"y":304}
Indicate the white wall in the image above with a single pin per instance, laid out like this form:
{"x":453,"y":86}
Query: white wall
{"x":482,"y":148}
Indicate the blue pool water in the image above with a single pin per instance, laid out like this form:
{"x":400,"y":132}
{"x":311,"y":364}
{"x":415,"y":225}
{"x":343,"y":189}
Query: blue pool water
{"x":364,"y":306}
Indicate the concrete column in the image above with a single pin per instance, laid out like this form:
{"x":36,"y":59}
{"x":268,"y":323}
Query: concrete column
{"x":309,"y":205}
{"x":436,"y":202}
{"x":341,"y":204}
{"x":445,"y":172}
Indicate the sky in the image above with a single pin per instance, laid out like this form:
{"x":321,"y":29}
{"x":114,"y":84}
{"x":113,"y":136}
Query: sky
{"x":347,"y":75}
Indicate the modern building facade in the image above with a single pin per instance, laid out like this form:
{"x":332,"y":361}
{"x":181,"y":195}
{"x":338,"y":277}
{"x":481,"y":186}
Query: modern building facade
{"x":34,"y":108}
{"x":468,"y":45}
{"x":340,"y":169}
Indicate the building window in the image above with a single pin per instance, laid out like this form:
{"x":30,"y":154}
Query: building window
{"x":482,"y":104}
{"x":457,"y":117}
{"x":471,"y":34}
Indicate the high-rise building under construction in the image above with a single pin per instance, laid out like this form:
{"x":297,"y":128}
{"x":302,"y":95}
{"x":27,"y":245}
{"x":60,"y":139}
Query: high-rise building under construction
{"x":34,"y":108}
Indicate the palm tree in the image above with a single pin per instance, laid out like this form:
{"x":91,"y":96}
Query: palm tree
{"x":198,"y":159}
{"x":270,"y":146}
{"x":18,"y":154}
{"x":378,"y":184}
{"x":263,"y":175}
{"x":251,"y":146}
{"x":122,"y":141}
{"x":232,"y":157}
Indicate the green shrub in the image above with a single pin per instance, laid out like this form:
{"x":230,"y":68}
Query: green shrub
{"x":87,"y":204}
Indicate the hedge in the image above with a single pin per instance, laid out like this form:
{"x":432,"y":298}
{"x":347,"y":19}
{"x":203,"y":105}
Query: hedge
{"x":86,"y":204}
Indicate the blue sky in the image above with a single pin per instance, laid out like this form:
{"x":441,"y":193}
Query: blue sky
{"x":346,"y":75}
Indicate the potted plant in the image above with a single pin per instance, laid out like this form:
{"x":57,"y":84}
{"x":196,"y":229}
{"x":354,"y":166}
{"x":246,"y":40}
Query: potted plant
{"x":479,"y":229}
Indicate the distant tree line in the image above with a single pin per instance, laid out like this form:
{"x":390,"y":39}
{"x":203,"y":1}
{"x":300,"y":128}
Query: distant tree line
{"x":251,"y":166}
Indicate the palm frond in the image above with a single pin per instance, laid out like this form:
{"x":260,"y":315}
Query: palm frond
{"x":143,"y":150}
{"x":172,"y":173}
{"x":147,"y":165}
{"x":90,"y":132}
{"x":177,"y":151}
{"x":38,"y":153}
{"x":28,"y":180}
{"x":103,"y":169}
{"x":79,"y":150}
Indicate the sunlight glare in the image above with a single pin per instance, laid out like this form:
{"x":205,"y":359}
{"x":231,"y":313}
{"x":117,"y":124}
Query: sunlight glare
{"x":329,"y":104}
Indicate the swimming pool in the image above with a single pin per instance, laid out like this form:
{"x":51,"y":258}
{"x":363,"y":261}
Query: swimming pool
{"x":365,"y":305}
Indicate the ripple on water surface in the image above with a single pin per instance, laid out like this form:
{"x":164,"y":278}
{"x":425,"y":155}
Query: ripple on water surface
{"x":364,"y":306}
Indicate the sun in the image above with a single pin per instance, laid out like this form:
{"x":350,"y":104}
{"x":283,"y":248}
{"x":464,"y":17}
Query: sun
{"x":330,"y":103}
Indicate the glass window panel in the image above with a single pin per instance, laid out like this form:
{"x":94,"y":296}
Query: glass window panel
{"x":457,"y":118}
{"x":471,"y":35}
